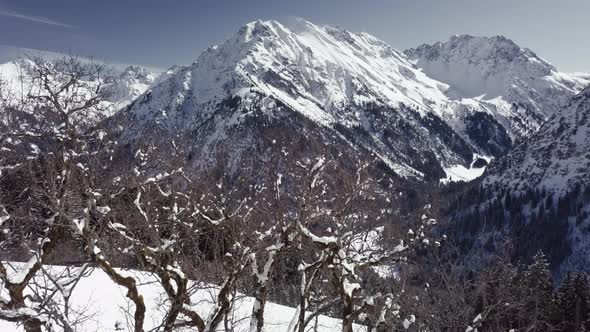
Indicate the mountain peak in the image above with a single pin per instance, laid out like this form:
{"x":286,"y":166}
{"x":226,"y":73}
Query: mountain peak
{"x":336,"y":78}
{"x":258,"y":28}
{"x":489,"y":53}
{"x":326,"y":64}
{"x":138,"y":72}
{"x":332,"y":77}
{"x":492,"y":67}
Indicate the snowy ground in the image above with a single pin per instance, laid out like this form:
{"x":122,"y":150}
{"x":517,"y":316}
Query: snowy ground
{"x":460,"y":173}
{"x":105,"y":304}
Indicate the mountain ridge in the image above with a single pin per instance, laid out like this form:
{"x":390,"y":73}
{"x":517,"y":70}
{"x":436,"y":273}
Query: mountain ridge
{"x":513,"y":84}
{"x":333,"y":76}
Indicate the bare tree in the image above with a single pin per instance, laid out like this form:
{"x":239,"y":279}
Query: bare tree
{"x":42,"y":159}
{"x":76,"y":186}
{"x":339,"y":224}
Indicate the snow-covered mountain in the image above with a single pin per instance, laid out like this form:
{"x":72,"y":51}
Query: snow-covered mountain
{"x":556,"y":158}
{"x":124,"y":86}
{"x":350,"y":87}
{"x":131,"y":83}
{"x":356,"y":88}
{"x":434,"y":112}
{"x":538,"y":195}
{"x":495,"y":76}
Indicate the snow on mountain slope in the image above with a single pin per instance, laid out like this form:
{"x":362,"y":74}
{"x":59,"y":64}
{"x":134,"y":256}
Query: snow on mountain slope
{"x":350,"y":84}
{"x":366,"y":92}
{"x":335,"y":67}
{"x":556,"y":158}
{"x":420,"y":112}
{"x":538,"y":195}
{"x":460,"y":173}
{"x":318,"y":71}
{"x":496,"y":76}
{"x":131,"y":83}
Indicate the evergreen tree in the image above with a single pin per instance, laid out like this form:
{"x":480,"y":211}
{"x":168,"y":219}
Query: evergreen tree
{"x":565,"y":299}
{"x":582,"y":317}
{"x":537,"y":292}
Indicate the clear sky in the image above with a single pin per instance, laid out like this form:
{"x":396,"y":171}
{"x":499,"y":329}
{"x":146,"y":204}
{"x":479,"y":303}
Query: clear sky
{"x":161,"y":33}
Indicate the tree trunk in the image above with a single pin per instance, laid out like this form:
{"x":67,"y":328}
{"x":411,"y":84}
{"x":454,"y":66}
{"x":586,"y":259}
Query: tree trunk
{"x":257,"y":320}
{"x":33,"y":325}
{"x":347,"y":309}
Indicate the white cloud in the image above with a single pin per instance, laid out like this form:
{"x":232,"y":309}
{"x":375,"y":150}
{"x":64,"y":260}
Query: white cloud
{"x":36,"y":19}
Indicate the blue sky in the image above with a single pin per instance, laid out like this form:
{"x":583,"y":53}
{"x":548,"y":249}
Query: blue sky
{"x":163,"y":33}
